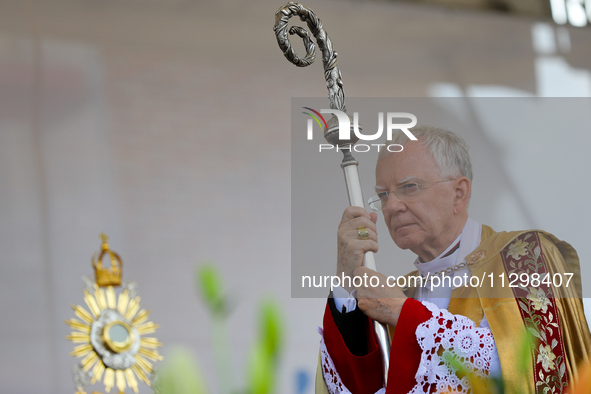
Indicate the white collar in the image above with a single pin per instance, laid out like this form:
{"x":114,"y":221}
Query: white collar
{"x":469,"y":240}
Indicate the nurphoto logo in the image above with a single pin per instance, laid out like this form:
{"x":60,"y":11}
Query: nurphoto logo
{"x":345,"y":123}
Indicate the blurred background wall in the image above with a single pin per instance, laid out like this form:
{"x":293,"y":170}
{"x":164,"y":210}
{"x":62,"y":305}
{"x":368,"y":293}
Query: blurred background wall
{"x":166,"y":124}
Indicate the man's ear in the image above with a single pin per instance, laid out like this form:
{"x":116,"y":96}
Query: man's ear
{"x":462,"y":189}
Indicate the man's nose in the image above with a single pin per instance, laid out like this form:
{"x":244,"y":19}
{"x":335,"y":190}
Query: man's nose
{"x":394,"y":204}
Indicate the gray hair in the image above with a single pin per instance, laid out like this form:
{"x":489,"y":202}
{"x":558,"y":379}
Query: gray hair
{"x":448,"y":150}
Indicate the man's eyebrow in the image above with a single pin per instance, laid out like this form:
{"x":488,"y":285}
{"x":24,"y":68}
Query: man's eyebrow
{"x":379,"y":188}
{"x":408,"y":178}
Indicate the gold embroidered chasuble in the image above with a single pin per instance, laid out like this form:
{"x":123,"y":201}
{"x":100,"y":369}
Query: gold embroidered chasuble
{"x":509,"y":314}
{"x":552,"y":315}
{"x":556,"y":313}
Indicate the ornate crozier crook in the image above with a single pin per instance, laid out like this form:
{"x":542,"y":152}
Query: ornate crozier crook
{"x":336,"y":96}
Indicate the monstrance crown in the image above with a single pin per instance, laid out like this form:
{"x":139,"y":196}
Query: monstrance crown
{"x":107,"y":276}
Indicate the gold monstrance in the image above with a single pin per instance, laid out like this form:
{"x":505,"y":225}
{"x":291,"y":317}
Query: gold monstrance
{"x":111,"y":333}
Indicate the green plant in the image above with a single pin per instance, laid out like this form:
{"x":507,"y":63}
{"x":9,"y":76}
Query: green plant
{"x":180,"y":373}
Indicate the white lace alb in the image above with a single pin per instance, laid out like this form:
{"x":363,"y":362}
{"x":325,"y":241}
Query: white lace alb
{"x":444,"y":338}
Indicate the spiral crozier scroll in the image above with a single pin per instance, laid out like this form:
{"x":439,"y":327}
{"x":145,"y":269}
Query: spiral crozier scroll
{"x":336,"y":95}
{"x":334,"y":83}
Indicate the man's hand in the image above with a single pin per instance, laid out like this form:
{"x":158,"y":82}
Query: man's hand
{"x":350,"y":248}
{"x":381,"y":303}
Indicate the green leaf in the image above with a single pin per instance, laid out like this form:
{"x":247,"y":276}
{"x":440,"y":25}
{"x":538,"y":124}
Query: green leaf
{"x":525,"y":351}
{"x":180,"y":374}
{"x":210,"y":286}
{"x":265,"y":353}
{"x":270,"y":328}
{"x":261,"y":371}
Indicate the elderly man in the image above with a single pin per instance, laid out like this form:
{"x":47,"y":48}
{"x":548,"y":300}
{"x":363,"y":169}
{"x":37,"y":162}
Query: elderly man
{"x":423,"y":193}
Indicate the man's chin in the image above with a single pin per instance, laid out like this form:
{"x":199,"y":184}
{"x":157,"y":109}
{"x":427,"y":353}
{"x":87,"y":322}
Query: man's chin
{"x":405,"y":241}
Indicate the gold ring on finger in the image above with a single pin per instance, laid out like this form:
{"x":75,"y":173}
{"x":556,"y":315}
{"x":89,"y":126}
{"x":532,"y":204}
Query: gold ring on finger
{"x":362,"y":233}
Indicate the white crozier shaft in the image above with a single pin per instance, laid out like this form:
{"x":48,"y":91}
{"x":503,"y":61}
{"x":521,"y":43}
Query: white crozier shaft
{"x":356,"y":199}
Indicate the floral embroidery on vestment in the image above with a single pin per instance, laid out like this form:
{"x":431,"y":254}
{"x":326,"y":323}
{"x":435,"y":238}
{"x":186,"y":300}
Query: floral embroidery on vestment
{"x":538,"y":311}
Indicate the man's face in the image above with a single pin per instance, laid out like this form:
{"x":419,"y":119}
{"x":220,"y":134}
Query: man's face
{"x":421,"y":223}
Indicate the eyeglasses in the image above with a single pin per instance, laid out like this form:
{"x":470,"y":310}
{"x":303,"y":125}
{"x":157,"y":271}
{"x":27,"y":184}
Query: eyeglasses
{"x":404,"y":192}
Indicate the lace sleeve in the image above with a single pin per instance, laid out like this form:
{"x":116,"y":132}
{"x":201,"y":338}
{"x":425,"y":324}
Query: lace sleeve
{"x":446,"y":337}
{"x":442,"y":338}
{"x":333,"y":381}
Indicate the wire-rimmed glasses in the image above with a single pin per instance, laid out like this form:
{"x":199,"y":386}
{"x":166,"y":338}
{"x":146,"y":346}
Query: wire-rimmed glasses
{"x":404,"y":192}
